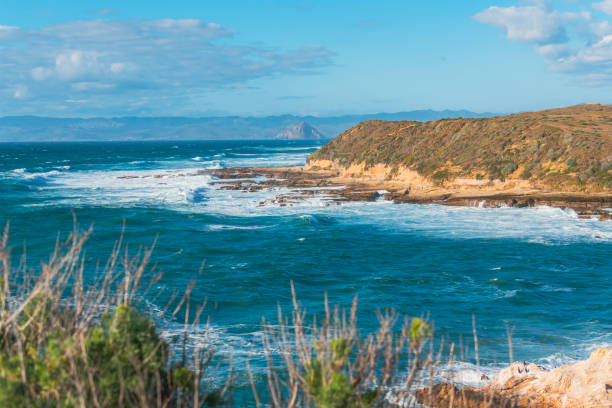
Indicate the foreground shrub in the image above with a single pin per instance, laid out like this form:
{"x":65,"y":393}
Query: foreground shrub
{"x":66,"y":344}
{"x":333,"y":365}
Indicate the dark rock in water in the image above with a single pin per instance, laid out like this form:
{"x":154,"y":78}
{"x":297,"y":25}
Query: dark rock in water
{"x":299,"y":131}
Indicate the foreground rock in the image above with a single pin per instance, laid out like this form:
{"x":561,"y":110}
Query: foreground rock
{"x":587,"y":384}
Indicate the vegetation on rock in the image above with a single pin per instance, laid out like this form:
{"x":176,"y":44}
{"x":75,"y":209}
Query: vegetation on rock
{"x":568,"y":148}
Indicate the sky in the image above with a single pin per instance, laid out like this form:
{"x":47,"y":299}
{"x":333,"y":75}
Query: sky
{"x":75,"y":58}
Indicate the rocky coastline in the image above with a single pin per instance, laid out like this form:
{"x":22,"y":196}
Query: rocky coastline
{"x":335,"y":187}
{"x":586,"y":384}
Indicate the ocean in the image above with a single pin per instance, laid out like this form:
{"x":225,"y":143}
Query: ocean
{"x":542,"y":273}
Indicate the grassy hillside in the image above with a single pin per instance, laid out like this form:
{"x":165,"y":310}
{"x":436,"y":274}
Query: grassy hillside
{"x":568,"y":147}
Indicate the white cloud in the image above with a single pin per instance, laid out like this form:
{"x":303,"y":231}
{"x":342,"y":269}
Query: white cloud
{"x":605,"y":6}
{"x":124,"y":62}
{"x":570,"y":42}
{"x":91,"y":86}
{"x":117,"y":67}
{"x":77,"y":64}
{"x":535,"y":24}
{"x":601,"y":28}
{"x":6,"y":32}
{"x":21,"y":92}
{"x":41,"y":74}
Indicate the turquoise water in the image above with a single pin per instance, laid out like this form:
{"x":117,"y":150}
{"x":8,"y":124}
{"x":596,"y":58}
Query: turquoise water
{"x":542,"y":271}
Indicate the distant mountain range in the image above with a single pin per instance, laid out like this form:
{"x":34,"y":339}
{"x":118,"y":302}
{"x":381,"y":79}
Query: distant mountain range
{"x":34,"y":128}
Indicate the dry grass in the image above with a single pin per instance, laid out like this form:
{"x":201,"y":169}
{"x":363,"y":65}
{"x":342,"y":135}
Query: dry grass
{"x":68,"y":343}
{"x":330,"y":363}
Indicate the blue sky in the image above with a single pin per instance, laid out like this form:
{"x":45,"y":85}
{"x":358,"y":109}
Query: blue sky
{"x":203,"y":58}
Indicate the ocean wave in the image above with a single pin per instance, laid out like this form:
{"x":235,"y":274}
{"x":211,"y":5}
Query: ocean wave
{"x":309,"y":219}
{"x":549,"y":288}
{"x":36,"y":178}
{"x":244,"y":344}
{"x":178,"y":185}
{"x":180,"y":189}
{"x":223,"y":227}
{"x":579,"y":350}
{"x":285,"y":149}
{"x":196,"y":195}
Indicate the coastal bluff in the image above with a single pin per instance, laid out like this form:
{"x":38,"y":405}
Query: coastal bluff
{"x":585,"y":384}
{"x":559,"y":158}
{"x":562,"y":150}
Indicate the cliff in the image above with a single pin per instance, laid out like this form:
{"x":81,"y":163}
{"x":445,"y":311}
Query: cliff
{"x":567,"y":149}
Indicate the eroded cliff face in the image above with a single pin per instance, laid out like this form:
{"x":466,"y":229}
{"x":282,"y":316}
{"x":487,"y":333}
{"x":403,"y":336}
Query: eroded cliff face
{"x":414,"y":180}
{"x":567,"y":149}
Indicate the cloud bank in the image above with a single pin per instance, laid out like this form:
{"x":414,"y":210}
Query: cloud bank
{"x":124,"y":67}
{"x":575,"y":43}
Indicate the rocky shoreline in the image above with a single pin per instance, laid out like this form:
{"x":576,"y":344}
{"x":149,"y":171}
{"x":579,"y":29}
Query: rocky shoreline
{"x":304,"y":182}
{"x":585,"y":384}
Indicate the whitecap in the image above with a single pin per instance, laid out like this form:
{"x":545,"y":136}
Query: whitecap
{"x":548,"y":288}
{"x":222,"y":227}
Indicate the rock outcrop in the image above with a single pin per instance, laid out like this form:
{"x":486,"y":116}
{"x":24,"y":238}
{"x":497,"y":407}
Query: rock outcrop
{"x":567,"y":149}
{"x":300,"y":131}
{"x":587,"y":384}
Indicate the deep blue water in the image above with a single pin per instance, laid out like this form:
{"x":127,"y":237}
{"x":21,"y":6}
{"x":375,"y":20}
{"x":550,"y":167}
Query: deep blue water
{"x":542,"y":271}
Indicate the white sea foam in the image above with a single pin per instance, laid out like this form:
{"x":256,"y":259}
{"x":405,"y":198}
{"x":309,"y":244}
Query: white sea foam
{"x":37,"y":178}
{"x":286,"y":149}
{"x":244,"y":344}
{"x":467,"y":373}
{"x":178,"y":185}
{"x":215,"y":227}
{"x":188,"y":191}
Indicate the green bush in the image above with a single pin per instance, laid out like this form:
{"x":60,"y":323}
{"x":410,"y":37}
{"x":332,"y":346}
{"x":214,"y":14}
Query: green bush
{"x":509,"y":168}
{"x":440,"y":176}
{"x":123,"y":356}
{"x":64,"y":346}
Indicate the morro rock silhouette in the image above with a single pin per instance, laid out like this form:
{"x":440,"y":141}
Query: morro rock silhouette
{"x":299,"y":131}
